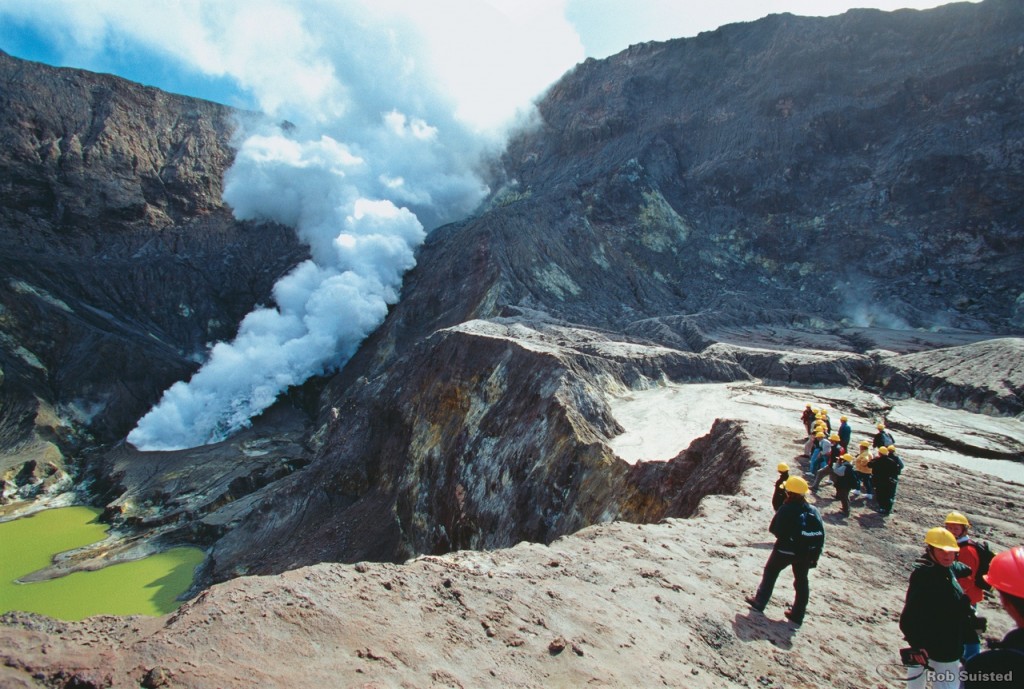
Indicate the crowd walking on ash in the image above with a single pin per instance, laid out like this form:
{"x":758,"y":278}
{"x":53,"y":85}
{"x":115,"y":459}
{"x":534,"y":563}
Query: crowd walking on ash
{"x":955,"y":572}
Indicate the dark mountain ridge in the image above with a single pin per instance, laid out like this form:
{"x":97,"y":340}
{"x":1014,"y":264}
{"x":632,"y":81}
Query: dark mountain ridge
{"x":738,"y":206}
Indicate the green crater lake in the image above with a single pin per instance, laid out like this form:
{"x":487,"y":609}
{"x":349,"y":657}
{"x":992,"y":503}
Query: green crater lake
{"x":144,"y":587}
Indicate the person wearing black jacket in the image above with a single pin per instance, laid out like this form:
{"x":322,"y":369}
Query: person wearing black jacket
{"x":885,"y":475}
{"x":883,"y":438}
{"x":937,"y":615}
{"x":779,"y":496}
{"x":1003,"y":665}
{"x":799,"y":539}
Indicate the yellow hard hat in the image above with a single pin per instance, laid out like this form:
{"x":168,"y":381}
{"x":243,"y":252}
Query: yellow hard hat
{"x":795,"y":484}
{"x":842,"y":418}
{"x":879,"y":426}
{"x":883,"y":450}
{"x":865,"y":443}
{"x":808,"y":405}
{"x":819,"y":435}
{"x":848,"y":457}
{"x":942,"y":539}
{"x":834,"y":436}
{"x":891,"y":449}
{"x":782,"y":467}
{"x":956,"y":518}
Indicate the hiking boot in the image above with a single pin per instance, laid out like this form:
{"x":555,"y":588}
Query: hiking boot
{"x":752,"y":602}
{"x":793,"y":618}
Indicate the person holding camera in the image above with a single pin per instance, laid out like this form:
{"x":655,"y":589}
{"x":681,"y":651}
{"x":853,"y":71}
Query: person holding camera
{"x":937,"y":616}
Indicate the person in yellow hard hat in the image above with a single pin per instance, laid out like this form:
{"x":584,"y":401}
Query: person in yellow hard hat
{"x":885,"y":474}
{"x":937,"y":616}
{"x":862,"y":471}
{"x":883,"y":437}
{"x":812,"y":438}
{"x":799,"y":539}
{"x":820,"y":454}
{"x":1006,"y":658}
{"x":845,"y":431}
{"x":844,"y":481}
{"x":969,"y":554}
{"x":779,"y":495}
{"x":808,"y":417}
{"x":835,"y":451}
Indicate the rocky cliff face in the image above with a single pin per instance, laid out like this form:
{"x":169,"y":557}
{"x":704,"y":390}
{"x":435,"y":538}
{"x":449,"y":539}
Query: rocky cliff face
{"x":754,"y":205}
{"x":864,"y":168}
{"x":119,"y":261}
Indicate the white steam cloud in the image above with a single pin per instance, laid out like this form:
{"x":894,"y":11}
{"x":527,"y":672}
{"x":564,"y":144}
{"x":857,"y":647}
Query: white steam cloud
{"x":392,"y":105}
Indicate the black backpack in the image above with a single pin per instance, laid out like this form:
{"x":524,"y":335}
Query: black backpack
{"x":985,"y":556}
{"x":811,"y":538}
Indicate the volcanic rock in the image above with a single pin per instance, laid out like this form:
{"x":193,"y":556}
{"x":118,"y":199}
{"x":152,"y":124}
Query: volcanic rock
{"x":822,"y":210}
{"x":119,"y":261}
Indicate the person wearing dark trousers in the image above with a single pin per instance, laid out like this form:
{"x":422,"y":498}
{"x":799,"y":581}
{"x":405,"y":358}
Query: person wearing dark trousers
{"x":799,"y":539}
{"x":885,"y":473}
{"x":845,"y":432}
{"x":844,"y":481}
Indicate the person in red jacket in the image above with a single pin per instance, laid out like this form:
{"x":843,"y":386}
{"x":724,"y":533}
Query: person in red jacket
{"x":1002,"y":665}
{"x":958,"y":524}
{"x":808,"y":417}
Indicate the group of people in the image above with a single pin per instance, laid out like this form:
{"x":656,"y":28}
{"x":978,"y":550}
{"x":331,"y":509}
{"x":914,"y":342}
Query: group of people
{"x":939,"y":618}
{"x":873,"y":474}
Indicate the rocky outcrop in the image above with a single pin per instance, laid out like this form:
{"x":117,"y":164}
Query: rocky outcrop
{"x":119,"y":262}
{"x":986,"y":378}
{"x":864,"y":167}
{"x":497,"y":434}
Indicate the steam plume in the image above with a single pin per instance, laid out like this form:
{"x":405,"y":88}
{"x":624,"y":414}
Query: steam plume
{"x":382,"y":146}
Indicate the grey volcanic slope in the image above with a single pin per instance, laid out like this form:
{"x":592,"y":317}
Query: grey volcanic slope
{"x":809,"y":173}
{"x":866,"y":167}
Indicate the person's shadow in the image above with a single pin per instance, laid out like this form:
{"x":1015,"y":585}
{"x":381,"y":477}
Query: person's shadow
{"x":871,"y":520}
{"x":754,"y":626}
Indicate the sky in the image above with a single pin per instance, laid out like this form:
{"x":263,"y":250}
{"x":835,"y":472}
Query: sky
{"x":231,"y":51}
{"x":394,"y":105}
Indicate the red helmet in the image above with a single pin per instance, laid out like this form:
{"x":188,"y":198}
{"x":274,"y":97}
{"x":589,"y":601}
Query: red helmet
{"x":1006,"y":571}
